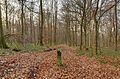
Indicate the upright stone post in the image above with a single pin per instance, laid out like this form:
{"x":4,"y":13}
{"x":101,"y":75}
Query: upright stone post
{"x":59,"y":58}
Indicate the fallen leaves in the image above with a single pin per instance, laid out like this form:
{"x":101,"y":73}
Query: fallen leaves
{"x":43,"y":66}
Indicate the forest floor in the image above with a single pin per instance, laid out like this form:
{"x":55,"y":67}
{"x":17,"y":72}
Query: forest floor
{"x":42,"y":65}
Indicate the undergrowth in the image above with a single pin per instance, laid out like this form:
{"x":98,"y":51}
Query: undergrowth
{"x":104,"y":55}
{"x":26,"y":48}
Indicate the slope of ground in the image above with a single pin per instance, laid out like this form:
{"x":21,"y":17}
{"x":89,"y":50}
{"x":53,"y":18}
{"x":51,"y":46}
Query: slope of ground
{"x":42,"y":65}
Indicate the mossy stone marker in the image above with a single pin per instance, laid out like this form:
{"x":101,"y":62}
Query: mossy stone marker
{"x":59,"y":58}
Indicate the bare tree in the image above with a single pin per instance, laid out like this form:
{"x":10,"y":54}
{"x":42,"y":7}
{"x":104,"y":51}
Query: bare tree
{"x":116,"y":26}
{"x":41,"y":24}
{"x":6,"y":12}
{"x":55,"y":24}
{"x":2,"y":39}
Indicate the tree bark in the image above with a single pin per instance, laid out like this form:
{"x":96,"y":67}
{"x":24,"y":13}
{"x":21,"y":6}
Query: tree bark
{"x":41,"y":24}
{"x":6,"y":12}
{"x":116,"y":27}
{"x":55,"y":25}
{"x":2,"y":39}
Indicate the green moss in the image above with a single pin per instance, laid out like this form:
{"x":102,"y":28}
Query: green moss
{"x":28,"y":48}
{"x":110,"y":52}
{"x":6,"y":52}
{"x":88,"y":53}
{"x":102,"y":51}
{"x":59,"y":58}
{"x":103,"y":61}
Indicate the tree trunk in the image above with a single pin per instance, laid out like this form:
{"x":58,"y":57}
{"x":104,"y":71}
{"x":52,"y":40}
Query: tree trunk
{"x":116,"y":27}
{"x":31,"y":24}
{"x":22,"y":21}
{"x":96,"y":36}
{"x":2,"y":39}
{"x":6,"y":12}
{"x":41,"y":24}
{"x":55,"y":26}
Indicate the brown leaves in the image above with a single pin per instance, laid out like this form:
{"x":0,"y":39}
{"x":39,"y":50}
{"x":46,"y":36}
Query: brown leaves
{"x":43,"y":66}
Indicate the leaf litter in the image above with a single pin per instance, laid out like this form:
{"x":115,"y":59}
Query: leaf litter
{"x":42,"y":65}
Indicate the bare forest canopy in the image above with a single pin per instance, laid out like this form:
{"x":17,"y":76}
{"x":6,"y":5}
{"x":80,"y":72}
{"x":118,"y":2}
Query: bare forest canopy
{"x":83,"y":23}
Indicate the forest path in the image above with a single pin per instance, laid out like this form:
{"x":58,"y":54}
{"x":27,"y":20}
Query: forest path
{"x":43,"y":65}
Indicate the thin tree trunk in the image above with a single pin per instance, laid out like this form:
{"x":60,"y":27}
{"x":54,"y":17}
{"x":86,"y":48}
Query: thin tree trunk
{"x":96,"y":36}
{"x":55,"y":26}
{"x":41,"y":25}
{"x":96,"y":28}
{"x":116,"y":26}
{"x":6,"y":12}
{"x":31,"y":24}
{"x":85,"y":23}
{"x":22,"y":21}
